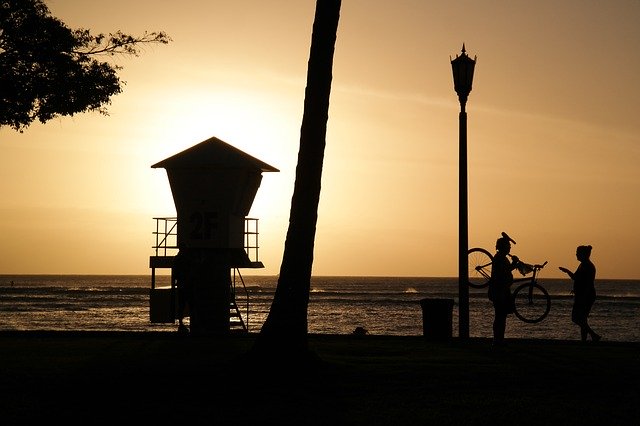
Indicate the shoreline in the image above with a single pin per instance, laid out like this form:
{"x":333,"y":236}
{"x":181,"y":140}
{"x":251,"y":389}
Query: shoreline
{"x":367,"y":380}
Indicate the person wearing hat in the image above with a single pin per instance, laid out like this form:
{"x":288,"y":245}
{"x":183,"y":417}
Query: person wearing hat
{"x":500,"y":287}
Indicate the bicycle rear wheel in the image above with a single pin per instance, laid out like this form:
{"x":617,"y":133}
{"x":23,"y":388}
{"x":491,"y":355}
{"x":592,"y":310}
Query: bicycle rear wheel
{"x":480,"y":261}
{"x":532,"y":302}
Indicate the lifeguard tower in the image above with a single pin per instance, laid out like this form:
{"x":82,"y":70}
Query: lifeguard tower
{"x":213,"y":186}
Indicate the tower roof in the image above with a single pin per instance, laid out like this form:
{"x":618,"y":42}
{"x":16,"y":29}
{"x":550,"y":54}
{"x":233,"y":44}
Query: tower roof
{"x":213,"y":153}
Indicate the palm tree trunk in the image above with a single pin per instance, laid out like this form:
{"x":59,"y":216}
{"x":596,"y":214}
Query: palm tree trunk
{"x":285,"y":328}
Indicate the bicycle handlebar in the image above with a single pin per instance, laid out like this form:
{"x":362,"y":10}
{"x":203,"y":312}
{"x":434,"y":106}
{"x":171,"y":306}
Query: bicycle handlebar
{"x":536,"y":266}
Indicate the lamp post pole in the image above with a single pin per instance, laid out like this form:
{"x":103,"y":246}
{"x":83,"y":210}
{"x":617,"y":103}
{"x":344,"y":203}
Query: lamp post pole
{"x":463,"y":67}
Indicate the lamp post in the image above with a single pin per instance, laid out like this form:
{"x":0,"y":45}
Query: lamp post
{"x":462,"y":67}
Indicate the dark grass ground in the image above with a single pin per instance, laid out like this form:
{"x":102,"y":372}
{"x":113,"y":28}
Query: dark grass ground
{"x":161,"y":378}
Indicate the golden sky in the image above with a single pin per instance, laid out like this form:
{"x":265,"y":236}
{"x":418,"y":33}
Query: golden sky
{"x":553,"y":134}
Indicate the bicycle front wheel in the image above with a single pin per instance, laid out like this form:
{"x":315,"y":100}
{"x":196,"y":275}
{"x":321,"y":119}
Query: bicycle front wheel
{"x":532,"y":303}
{"x":480,"y":261}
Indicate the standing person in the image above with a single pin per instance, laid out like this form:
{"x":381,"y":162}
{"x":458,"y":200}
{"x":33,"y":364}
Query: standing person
{"x":181,"y":276}
{"x":500,"y":287}
{"x":584,"y":292}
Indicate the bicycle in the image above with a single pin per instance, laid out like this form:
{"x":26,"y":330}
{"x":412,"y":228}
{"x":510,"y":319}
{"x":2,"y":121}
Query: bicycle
{"x":532,"y":302}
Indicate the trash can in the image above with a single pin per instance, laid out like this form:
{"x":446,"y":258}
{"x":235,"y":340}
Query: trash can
{"x":437,"y":315}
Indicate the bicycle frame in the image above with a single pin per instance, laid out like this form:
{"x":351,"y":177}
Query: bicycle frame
{"x":531,"y":301}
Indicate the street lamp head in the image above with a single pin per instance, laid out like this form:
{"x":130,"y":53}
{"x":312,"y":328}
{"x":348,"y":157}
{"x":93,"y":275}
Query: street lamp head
{"x":462,"y":67}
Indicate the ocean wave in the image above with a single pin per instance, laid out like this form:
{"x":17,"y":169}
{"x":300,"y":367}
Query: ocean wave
{"x":336,"y":305}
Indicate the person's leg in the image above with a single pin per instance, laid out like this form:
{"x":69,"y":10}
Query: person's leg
{"x":578,"y":318}
{"x":594,"y":336}
{"x":586,"y":330}
{"x":499,"y":324}
{"x":583,"y":331}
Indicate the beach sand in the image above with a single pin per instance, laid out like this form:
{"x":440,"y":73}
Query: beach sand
{"x":163,"y":378}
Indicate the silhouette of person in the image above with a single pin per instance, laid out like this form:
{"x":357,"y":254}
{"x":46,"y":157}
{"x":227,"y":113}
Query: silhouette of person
{"x":181,"y":275}
{"x":584,"y":292}
{"x":500,"y":287}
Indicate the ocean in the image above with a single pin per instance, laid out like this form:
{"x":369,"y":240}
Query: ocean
{"x":381,"y":305}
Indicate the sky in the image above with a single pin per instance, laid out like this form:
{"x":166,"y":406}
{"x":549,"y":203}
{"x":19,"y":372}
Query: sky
{"x":553,"y":135}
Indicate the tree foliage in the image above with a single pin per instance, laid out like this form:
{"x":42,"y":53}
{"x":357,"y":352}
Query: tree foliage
{"x":48,"y":70}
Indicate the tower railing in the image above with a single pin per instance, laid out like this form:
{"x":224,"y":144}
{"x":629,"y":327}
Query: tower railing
{"x":166,"y":237}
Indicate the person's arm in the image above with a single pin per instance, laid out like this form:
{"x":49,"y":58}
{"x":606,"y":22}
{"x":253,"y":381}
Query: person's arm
{"x":566,"y":271}
{"x":514,"y":262}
